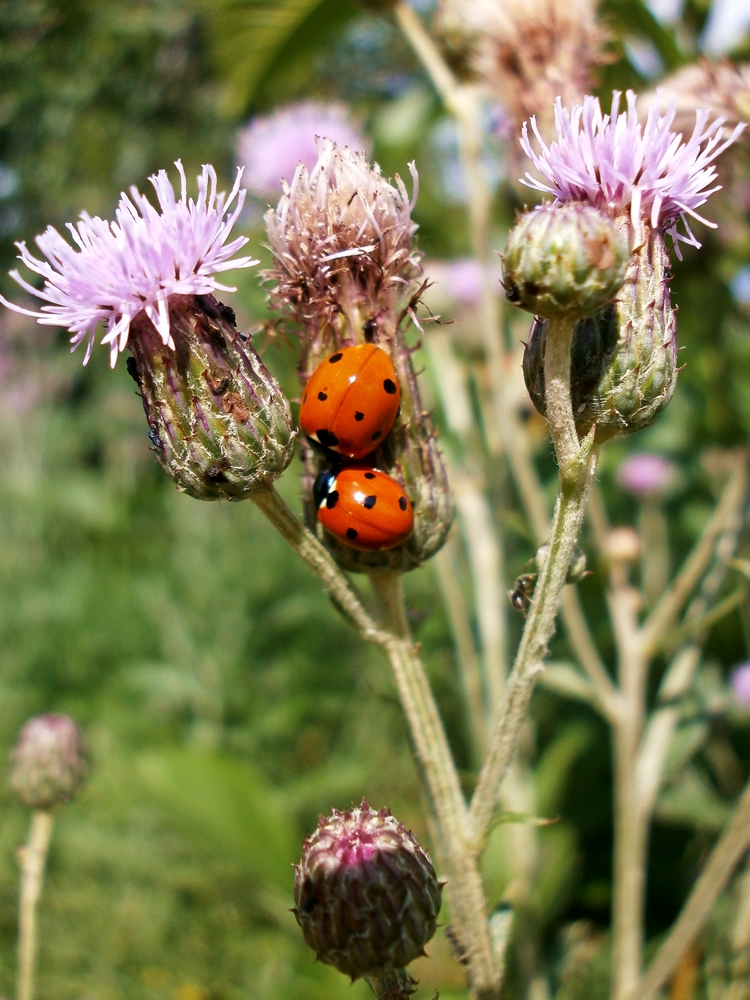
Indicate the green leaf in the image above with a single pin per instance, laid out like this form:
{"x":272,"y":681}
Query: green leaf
{"x":249,"y":37}
{"x":226,"y":802}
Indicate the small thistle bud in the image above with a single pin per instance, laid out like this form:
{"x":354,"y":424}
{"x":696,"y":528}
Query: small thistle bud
{"x":218,"y":420}
{"x":624,"y":359}
{"x":48,"y":762}
{"x":564,"y":260}
{"x":366,"y":893}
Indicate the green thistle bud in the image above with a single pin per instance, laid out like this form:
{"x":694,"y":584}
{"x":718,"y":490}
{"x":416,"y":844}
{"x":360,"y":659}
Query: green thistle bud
{"x":48,"y":762}
{"x":219,"y":422}
{"x":564,"y":260}
{"x":366,"y":894}
{"x":624,"y":359}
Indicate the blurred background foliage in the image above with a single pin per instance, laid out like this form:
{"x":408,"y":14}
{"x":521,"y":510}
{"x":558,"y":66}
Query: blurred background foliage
{"x":225,"y":702}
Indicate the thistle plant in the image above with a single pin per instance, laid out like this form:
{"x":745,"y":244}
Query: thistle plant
{"x":592,"y":267}
{"x":48,"y":766}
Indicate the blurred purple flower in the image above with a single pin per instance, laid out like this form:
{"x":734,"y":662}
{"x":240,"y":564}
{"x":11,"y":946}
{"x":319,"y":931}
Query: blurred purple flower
{"x":118,"y":269}
{"x":646,"y":475}
{"x":459,"y":280}
{"x":615,"y":163}
{"x":741,"y":683}
{"x":271,"y":147}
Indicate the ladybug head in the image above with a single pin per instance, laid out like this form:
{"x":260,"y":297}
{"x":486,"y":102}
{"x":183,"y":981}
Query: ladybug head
{"x":322,"y":485}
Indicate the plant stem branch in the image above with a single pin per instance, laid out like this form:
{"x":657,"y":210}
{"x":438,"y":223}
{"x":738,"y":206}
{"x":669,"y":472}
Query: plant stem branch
{"x":32,"y":859}
{"x":676,"y":595}
{"x":577,"y":463}
{"x":432,"y":752}
{"x":713,"y":879}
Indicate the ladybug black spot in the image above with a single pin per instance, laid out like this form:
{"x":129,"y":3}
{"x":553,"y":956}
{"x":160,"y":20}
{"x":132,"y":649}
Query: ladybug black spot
{"x":332,"y":499}
{"x":376,"y":435}
{"x":390,"y":386}
{"x":359,"y":416}
{"x":369,"y":475}
{"x":322,"y":396}
{"x":369,"y":502}
{"x":334,"y":358}
{"x":402,"y":503}
{"x":351,"y":533}
{"x":327,"y":438}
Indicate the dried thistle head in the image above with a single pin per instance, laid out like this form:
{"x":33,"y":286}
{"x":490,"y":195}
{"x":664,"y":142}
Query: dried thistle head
{"x":527,"y":52}
{"x":721,"y":88}
{"x":342,"y":240}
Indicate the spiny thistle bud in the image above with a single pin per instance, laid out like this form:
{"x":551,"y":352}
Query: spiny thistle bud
{"x":564,"y":260}
{"x":48,"y":762}
{"x":624,"y":359}
{"x":346,"y":270}
{"x":367,"y":897}
{"x":219,"y":422}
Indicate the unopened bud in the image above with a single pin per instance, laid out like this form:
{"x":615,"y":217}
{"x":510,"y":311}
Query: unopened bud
{"x":366,"y":893}
{"x":624,"y":359}
{"x":48,"y":761}
{"x":218,"y":420}
{"x":564,"y":260}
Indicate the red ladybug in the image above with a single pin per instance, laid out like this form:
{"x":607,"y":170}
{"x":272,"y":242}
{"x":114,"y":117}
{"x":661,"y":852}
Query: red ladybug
{"x":363,"y":507}
{"x":351,"y":400}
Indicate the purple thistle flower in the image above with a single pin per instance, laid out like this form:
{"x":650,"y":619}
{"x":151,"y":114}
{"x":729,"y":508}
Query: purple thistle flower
{"x":270,"y":147}
{"x":646,"y":475}
{"x":740,"y":682}
{"x":615,"y":163}
{"x":119,"y":269}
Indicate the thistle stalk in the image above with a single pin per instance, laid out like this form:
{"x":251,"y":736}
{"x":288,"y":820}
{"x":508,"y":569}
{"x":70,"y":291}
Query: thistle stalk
{"x":32,"y":859}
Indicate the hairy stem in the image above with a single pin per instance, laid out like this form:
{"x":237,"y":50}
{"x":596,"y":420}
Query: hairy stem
{"x":713,"y":879}
{"x":433,"y":755}
{"x":32,"y":858}
{"x":577,"y":465}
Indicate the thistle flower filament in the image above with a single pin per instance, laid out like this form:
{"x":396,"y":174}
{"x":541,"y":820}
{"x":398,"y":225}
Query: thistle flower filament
{"x":118,"y":269}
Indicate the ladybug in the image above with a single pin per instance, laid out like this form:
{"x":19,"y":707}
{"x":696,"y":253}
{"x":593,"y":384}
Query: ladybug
{"x":351,"y":400}
{"x":363,"y":507}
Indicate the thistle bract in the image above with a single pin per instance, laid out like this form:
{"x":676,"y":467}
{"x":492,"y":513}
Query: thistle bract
{"x":218,"y":421}
{"x":564,"y":260}
{"x":624,"y":359}
{"x":366,"y":893}
{"x":48,"y":762}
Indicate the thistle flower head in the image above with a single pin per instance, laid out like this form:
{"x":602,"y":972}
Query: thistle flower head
{"x":116,"y":270}
{"x":48,"y":761}
{"x":341,"y":233}
{"x":619,"y":165}
{"x":647,"y":475}
{"x":270,"y":147}
{"x":366,"y":893}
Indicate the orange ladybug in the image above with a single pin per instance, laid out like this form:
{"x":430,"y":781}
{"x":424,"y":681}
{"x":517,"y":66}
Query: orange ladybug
{"x":363,"y":507}
{"x":351,"y":400}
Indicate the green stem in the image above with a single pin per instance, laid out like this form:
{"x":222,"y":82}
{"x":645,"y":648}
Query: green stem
{"x":432,"y":751}
{"x":577,"y":463}
{"x":711,"y":882}
{"x":32,"y":858}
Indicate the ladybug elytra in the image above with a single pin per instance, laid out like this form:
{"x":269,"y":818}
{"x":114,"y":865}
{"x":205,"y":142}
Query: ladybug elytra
{"x":351,"y":400}
{"x":363,"y":507}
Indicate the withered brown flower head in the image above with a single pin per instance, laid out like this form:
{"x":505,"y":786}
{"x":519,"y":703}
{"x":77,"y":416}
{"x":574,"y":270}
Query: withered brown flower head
{"x":341,"y":236}
{"x":527,"y":52}
{"x":722,"y":88}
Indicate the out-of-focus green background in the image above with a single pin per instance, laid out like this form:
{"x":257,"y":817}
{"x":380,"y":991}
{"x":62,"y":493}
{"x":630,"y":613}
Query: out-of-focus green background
{"x":225,"y":703}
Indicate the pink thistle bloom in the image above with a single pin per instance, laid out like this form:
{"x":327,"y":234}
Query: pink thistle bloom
{"x":270,"y":147}
{"x":646,"y":475}
{"x":740,"y":681}
{"x":616,"y":163}
{"x":119,"y":269}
